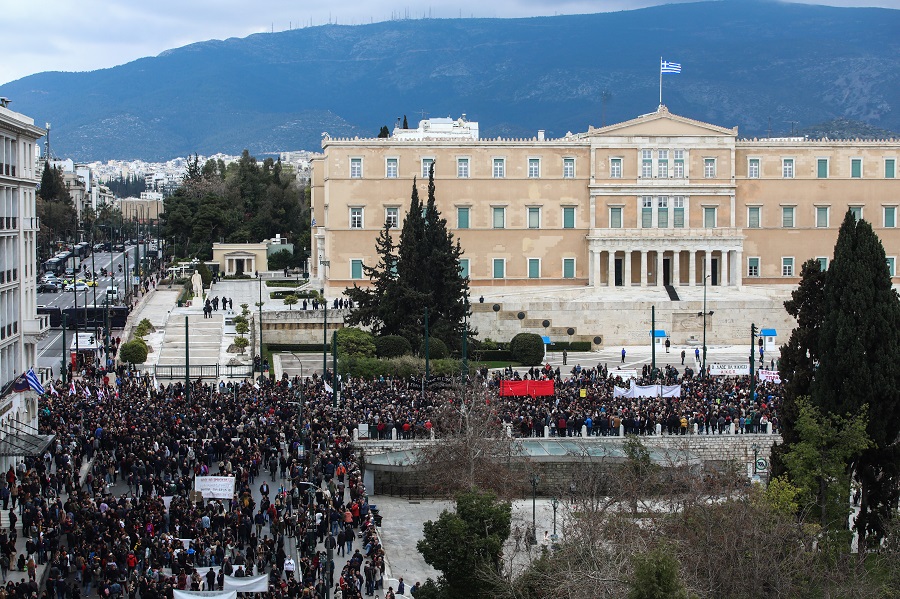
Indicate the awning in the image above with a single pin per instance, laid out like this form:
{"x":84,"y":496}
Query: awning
{"x":659,"y":333}
{"x":20,"y":443}
{"x":546,"y":340}
{"x":768,"y":332}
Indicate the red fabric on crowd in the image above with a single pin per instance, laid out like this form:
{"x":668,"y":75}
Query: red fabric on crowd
{"x":531,"y":388}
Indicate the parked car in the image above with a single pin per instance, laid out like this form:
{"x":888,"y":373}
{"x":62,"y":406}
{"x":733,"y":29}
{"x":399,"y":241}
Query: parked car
{"x":102,"y":247}
{"x":49,"y":277}
{"x":48,"y":288}
{"x":79,"y":286}
{"x":70,"y":272}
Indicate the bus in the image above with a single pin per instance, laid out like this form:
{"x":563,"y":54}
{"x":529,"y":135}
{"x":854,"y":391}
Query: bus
{"x":91,"y":316}
{"x":55,"y":265}
{"x":82,"y":250}
{"x":55,"y":314}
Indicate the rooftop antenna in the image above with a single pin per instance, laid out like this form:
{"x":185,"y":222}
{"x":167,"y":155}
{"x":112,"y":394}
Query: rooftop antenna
{"x":47,"y":154}
{"x":792,"y":126}
{"x":424,"y":114}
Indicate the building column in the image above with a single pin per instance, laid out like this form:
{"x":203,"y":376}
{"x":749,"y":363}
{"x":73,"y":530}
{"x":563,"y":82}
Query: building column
{"x":723,"y":271}
{"x":659,"y":268}
{"x":611,"y":274}
{"x":590,"y":270}
{"x":707,"y":266}
{"x":643,"y":268}
{"x":738,"y":268}
{"x":676,"y":268}
{"x":596,"y":269}
{"x":692,"y":268}
{"x":627,"y":278}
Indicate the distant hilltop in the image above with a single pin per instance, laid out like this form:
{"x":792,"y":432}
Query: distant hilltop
{"x":763,"y":67}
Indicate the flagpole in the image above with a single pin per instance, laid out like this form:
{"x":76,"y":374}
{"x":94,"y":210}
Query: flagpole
{"x":660,"y":80}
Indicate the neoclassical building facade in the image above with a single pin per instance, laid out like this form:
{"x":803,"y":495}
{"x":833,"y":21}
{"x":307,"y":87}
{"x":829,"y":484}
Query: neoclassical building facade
{"x":659,"y":200}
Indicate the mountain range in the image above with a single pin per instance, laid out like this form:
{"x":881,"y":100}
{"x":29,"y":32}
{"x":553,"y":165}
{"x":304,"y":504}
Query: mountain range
{"x":759,"y":65}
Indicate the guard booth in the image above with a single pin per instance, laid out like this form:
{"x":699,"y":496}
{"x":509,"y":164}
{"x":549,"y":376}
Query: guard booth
{"x":768,"y":339}
{"x":85,"y":349}
{"x":659,"y":338}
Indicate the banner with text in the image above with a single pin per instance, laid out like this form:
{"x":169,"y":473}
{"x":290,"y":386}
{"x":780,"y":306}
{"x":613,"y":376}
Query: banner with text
{"x":247,"y":584}
{"x":771,"y":376}
{"x":729,"y":369}
{"x":215,"y":487}
{"x":176,"y":594}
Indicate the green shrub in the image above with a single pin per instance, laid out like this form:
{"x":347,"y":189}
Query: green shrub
{"x":570,"y":346}
{"x":437,"y":349}
{"x":134,"y":352}
{"x":392,"y":346}
{"x":527,"y":348}
{"x":493,"y":355}
{"x":355,"y":342}
{"x":144,"y":328}
{"x":402,"y":367}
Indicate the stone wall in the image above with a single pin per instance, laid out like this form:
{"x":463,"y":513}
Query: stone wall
{"x":556,"y":472}
{"x":297,"y":326}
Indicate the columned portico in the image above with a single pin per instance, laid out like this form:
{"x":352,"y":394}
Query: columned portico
{"x":719,"y":245}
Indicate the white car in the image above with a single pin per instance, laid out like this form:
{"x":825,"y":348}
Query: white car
{"x":76,"y":287}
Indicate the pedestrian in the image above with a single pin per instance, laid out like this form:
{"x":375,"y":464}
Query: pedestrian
{"x":668,"y":343}
{"x":682,"y":357}
{"x":565,"y":357}
{"x":623,"y":355}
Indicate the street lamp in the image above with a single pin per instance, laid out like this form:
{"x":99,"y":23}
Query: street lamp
{"x":535,"y":479}
{"x":704,"y":314}
{"x":324,"y":335}
{"x":260,"y":305}
{"x":755,"y":448}
{"x":555,"y":504}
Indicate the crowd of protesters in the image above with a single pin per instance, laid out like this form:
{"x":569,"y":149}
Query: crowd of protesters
{"x":127,"y":430}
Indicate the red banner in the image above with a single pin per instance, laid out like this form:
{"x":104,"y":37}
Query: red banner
{"x":531,"y":388}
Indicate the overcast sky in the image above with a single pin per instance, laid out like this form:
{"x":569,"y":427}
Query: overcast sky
{"x":83,"y":35}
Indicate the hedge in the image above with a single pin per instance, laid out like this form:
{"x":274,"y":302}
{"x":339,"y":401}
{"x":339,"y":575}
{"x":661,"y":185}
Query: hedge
{"x":492,"y":355}
{"x":392,"y":346}
{"x":437,"y":349}
{"x":402,"y":367}
{"x":570,"y":346}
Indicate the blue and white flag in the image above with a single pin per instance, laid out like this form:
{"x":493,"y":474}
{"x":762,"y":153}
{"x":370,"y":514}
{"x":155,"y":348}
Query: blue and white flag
{"x":33,"y":382}
{"x":669,"y":67}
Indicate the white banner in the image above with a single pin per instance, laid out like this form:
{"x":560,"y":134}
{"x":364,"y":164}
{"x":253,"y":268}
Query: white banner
{"x":247,"y":584}
{"x":671,"y":390}
{"x":620,"y":392}
{"x":729,"y":369}
{"x":203,"y":594}
{"x":770,"y":376}
{"x":215,"y":487}
{"x":623,"y":374}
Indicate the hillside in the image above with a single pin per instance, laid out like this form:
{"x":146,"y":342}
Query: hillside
{"x":746,"y":63}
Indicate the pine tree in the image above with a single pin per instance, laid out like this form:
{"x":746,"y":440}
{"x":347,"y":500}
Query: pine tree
{"x":405,"y":124}
{"x":859,"y":353}
{"x":384,"y":132}
{"x":374,"y":306}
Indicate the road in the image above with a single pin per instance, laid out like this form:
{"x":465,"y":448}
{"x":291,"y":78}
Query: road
{"x":50,"y":349}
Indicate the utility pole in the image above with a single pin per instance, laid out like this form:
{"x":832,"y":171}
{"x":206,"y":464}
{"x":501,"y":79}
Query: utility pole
{"x":187,"y":362}
{"x":752,"y":363}
{"x":324,"y":337}
{"x":65,"y":351}
{"x":652,"y":342}
{"x":334,"y":367}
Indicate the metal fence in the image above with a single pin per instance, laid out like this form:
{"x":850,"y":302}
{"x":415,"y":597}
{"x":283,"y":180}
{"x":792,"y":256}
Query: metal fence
{"x":203,"y":371}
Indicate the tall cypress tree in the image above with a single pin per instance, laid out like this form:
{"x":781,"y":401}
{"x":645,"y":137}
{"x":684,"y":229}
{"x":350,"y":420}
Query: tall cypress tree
{"x":799,"y":356}
{"x":448,"y":288}
{"x":859,"y":363}
{"x":374,"y":306}
{"x":412,"y":287}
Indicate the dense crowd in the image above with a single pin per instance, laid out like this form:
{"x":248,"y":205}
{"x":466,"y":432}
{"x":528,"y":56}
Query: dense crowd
{"x":128,"y":432}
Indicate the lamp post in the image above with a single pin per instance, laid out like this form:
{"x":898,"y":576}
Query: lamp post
{"x":535,"y":479}
{"x":704,"y":314}
{"x":324,"y":335}
{"x":260,"y":305}
{"x":755,"y":448}
{"x":555,"y":504}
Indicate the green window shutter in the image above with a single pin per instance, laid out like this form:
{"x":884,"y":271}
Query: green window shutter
{"x":534,"y":268}
{"x":569,"y":217}
{"x":462,"y":218}
{"x":679,"y":218}
{"x":890,"y":217}
{"x":499,"y":268}
{"x":569,"y":268}
{"x":856,"y":168}
{"x":356,"y":269}
{"x":464,"y":267}
{"x":890,"y":167}
{"x":822,"y":172}
{"x":615,"y":218}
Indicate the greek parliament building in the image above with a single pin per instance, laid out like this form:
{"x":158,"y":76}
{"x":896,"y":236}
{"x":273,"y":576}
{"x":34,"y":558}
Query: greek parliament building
{"x":20,"y":326}
{"x":655,"y":210}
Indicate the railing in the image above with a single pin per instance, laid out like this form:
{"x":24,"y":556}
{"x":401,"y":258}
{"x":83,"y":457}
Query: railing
{"x":203,"y":371}
{"x":408,"y":491}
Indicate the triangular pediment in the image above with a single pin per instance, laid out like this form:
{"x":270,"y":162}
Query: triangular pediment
{"x":662,"y":123}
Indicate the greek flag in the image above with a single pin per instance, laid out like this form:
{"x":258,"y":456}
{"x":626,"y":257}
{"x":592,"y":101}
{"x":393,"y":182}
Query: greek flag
{"x":669,"y":67}
{"x":33,"y":382}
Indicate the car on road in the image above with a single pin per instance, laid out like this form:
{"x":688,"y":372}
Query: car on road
{"x":49,"y":277}
{"x":102,"y":247}
{"x":48,"y":287}
{"x":78,"y":286}
{"x":119,"y":247}
{"x":70,"y":272}
{"x":88,"y":282}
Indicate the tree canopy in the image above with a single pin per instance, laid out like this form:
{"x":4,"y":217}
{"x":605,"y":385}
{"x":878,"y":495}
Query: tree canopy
{"x":421,"y":271}
{"x":245,"y":202}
